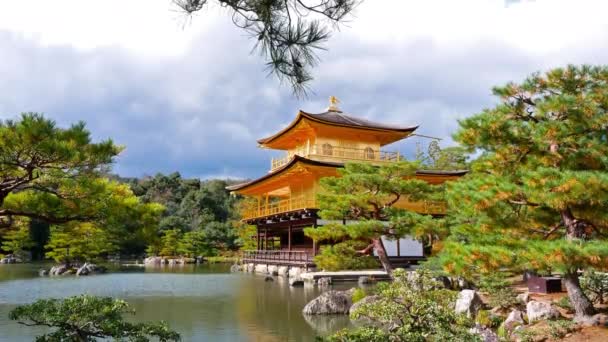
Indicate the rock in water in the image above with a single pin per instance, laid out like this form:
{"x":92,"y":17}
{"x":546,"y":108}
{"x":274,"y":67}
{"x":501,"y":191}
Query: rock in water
{"x":42,"y":272}
{"x":539,"y":310}
{"x":296,"y":281}
{"x":364,"y":280}
{"x":330,"y":303}
{"x":324,"y":281}
{"x":58,"y":270}
{"x":269,"y":278}
{"x":468,"y":302}
{"x":83,"y":270}
{"x":235,"y":268}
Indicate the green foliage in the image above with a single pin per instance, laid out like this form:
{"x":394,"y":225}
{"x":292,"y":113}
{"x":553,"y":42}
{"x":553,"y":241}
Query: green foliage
{"x":17,"y":240}
{"x":564,"y":303}
{"x":79,"y":242}
{"x":537,"y":198}
{"x":367,"y":194}
{"x":560,"y":328}
{"x":358,"y":294}
{"x":344,"y":256}
{"x":437,"y":158}
{"x":526,"y":335}
{"x":193,"y":244}
{"x":246,"y":234}
{"x":169,"y":242}
{"x":595,"y":285}
{"x":499,"y":291}
{"x":88,"y":318}
{"x":50,"y":173}
{"x":411,"y":308}
{"x":286,"y":32}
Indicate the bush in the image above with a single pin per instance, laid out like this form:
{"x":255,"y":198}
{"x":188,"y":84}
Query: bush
{"x":408,"y":310}
{"x":595,"y":285}
{"x":86,"y":318}
{"x":358,"y":294}
{"x":560,"y":328}
{"x":500,"y":294}
{"x":564,"y":303}
{"x":344,"y":256}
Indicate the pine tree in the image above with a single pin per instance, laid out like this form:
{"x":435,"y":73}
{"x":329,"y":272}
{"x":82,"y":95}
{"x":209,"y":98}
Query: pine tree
{"x":366,"y":195}
{"x":538,"y":196}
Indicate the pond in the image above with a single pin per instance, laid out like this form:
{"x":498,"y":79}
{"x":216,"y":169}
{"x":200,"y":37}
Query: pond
{"x":201,"y":302}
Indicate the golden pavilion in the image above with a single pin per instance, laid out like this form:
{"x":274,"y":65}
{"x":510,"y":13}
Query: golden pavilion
{"x":282,"y":203}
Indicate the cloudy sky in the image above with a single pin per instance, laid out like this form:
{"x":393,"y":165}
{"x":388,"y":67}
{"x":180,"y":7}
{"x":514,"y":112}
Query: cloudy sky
{"x":187,"y":95}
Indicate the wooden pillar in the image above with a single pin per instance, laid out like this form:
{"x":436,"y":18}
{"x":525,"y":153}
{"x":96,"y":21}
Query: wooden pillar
{"x":266,"y":239}
{"x":398,"y":247}
{"x":314,"y":244}
{"x":289,"y":238}
{"x":258,"y":240}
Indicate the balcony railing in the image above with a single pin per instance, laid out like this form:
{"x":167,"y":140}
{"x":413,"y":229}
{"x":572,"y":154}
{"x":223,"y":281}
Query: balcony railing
{"x":327,"y":151}
{"x":278,"y":257}
{"x":274,"y":207}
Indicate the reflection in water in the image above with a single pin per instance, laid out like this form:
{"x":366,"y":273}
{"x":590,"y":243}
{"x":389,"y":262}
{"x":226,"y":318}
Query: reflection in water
{"x":203,"y":303}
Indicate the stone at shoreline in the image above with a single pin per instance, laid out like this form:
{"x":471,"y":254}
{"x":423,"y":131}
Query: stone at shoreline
{"x":296,"y":281}
{"x":330,"y":303}
{"x":87,"y":269}
{"x":282,"y":271}
{"x":365,"y":280}
{"x":42,"y":272}
{"x":273,"y":270}
{"x":364,"y":300}
{"x":324,"y":281}
{"x":235,"y":268}
{"x":58,"y":270}
{"x":268,"y":278}
{"x":540,"y":310}
{"x":468,"y":303}
{"x":9,"y":259}
{"x":152,"y":261}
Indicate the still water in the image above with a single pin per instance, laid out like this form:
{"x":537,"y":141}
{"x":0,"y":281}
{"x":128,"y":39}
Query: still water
{"x":201,"y":302}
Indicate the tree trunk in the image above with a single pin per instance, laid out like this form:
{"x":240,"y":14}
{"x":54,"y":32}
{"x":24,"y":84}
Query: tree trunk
{"x":582,"y":305}
{"x":384,"y":260}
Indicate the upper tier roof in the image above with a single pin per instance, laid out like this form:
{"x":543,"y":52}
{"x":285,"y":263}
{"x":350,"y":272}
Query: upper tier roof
{"x":337,"y":118}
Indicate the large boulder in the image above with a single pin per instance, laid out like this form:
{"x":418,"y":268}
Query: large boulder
{"x":273,"y":270}
{"x":9,"y":259}
{"x":261,"y":268}
{"x":365,"y":300}
{"x":468,"y":303}
{"x":539,"y":310}
{"x":330,"y":303}
{"x":486,"y":334}
{"x":515,"y":319}
{"x":43,"y":272}
{"x":235,"y":268}
{"x":523,"y":298}
{"x":83,"y":270}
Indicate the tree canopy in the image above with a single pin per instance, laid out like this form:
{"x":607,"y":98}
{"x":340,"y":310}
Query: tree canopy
{"x":537,"y":198}
{"x":367,"y":194}
{"x":88,"y":318}
{"x":50,"y":173}
{"x":287,"y":32}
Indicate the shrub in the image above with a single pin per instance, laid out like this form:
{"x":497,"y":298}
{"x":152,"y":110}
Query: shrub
{"x":564,"y":303}
{"x":595,"y":285}
{"x":358,"y":294}
{"x":560,"y":328}
{"x":408,"y":310}
{"x":344,"y":256}
{"x":86,"y":318}
{"x":500,"y":294}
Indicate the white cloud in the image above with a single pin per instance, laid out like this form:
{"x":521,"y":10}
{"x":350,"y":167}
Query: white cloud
{"x":193,"y":99}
